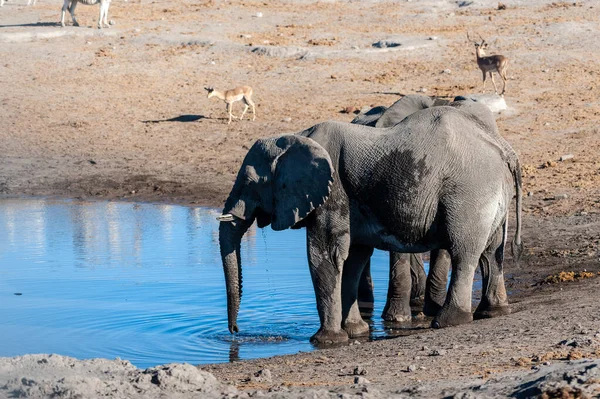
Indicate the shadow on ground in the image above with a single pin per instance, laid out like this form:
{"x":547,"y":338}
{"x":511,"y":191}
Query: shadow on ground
{"x":180,"y":118}
{"x":32,"y":24}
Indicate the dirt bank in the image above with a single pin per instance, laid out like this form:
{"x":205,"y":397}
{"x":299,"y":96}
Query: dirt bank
{"x":122,"y":114}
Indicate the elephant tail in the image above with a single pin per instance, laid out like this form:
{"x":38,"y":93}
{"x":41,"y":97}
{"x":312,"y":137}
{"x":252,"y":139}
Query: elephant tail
{"x":516,"y":244}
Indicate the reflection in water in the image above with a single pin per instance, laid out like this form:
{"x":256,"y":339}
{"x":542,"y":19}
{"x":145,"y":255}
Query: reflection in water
{"x":144,"y":282}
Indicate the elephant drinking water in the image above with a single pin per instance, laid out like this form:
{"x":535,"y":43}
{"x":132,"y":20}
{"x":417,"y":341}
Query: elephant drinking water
{"x":434,"y":181}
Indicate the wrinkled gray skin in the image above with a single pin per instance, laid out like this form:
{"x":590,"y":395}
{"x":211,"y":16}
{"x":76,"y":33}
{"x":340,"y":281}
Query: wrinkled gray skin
{"x":403,"y":267}
{"x":437,"y":180}
{"x":399,"y":294}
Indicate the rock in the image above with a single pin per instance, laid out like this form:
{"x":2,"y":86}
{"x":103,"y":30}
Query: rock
{"x":411,"y":368}
{"x":437,"y":352}
{"x":566,"y":157}
{"x":275,"y":51}
{"x":287,"y":119}
{"x":493,"y":101}
{"x":259,"y":14}
{"x":432,"y":38}
{"x":447,"y":71}
{"x":263,"y":375}
{"x":561,"y":196}
{"x":111,"y":22}
{"x":359,"y":370}
{"x":387,"y":43}
{"x":422,"y":90}
{"x":361,"y":380}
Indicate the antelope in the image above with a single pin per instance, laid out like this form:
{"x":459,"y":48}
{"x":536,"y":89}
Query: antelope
{"x":241,"y":93}
{"x":491,"y":63}
{"x":69,"y":5}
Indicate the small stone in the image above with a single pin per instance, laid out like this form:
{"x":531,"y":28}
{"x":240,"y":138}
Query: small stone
{"x":263,"y":375}
{"x":566,"y":157}
{"x":287,"y":119}
{"x":530,"y":193}
{"x":422,"y":90}
{"x":359,"y":370}
{"x":545,"y":70}
{"x":111,"y":22}
{"x":437,"y":352}
{"x":357,"y":342}
{"x":561,"y":196}
{"x":259,"y":14}
{"x":333,"y":76}
{"x":411,"y":368}
{"x":212,"y":63}
{"x":447,"y":71}
{"x":132,"y":191}
{"x":361,"y":380}
{"x":425,"y":348}
{"x":432,"y":38}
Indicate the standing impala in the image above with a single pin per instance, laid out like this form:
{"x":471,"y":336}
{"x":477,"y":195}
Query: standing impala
{"x":491,"y":63}
{"x":243,"y":93}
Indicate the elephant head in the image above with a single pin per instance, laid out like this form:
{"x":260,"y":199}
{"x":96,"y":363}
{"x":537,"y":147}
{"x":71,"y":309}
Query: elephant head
{"x":281,"y":181}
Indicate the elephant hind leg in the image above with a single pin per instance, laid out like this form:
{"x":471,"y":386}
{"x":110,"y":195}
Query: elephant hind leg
{"x":366,"y":299}
{"x":354,"y":265}
{"x":457,"y":308}
{"x":437,"y":280}
{"x":397,"y":307}
{"x":494,"y":301}
{"x":418,"y":278}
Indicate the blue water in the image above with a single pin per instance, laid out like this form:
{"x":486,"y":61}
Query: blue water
{"x":144,"y":282}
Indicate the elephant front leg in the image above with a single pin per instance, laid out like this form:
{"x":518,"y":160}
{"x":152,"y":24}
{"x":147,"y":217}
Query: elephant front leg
{"x":352,"y":321}
{"x":494,"y":301}
{"x":326,"y":273}
{"x":397,"y":307}
{"x":437,"y":280}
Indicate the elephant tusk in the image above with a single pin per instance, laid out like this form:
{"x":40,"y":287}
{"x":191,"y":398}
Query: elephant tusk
{"x":228,"y":217}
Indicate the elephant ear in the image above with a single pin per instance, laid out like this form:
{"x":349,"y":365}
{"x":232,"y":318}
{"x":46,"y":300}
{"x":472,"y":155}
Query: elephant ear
{"x":402,"y":108}
{"x":302,"y":180}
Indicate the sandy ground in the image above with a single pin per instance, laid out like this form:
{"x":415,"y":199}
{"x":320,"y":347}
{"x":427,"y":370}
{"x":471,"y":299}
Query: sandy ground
{"x":122,"y":114}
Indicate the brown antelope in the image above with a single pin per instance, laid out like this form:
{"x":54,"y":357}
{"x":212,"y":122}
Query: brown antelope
{"x":490,"y":63}
{"x":241,"y":93}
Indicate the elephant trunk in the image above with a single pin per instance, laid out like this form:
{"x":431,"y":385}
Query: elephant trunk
{"x":230,"y":236}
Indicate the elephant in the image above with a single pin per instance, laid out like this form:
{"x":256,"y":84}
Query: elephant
{"x":434,"y":291}
{"x":438,"y":180}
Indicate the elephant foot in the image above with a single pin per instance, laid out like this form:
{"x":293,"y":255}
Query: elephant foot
{"x":451,"y":317}
{"x":327,"y":337}
{"x":397,"y":311}
{"x":431,"y":309}
{"x":491,"y":311}
{"x":356,"y":329}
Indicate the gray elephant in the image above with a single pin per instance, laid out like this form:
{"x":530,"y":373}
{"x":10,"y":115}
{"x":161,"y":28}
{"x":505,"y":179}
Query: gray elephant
{"x":437,"y":180}
{"x":433,"y":293}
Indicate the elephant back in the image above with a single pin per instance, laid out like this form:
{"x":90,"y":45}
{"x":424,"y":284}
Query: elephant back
{"x":402,"y":108}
